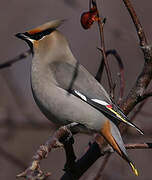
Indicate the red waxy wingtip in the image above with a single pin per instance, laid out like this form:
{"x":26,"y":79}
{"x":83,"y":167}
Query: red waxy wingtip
{"x":109,"y":106}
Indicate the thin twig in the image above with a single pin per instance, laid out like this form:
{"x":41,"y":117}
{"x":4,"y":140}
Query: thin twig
{"x":139,"y":146}
{"x":105,"y":59}
{"x":16,"y":59}
{"x":121,"y":71}
{"x":100,"y":25}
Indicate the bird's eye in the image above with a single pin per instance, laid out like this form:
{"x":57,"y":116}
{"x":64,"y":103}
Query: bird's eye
{"x":38,"y":36}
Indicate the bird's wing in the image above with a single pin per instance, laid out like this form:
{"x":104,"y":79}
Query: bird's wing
{"x":83,"y":85}
{"x":74,"y":76}
{"x":115,"y":114}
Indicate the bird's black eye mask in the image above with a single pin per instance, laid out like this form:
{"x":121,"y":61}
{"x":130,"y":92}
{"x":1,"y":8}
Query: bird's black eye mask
{"x":39,"y":35}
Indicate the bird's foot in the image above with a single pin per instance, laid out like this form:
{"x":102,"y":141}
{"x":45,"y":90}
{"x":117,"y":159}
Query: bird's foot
{"x":67,"y":138}
{"x":68,"y":142}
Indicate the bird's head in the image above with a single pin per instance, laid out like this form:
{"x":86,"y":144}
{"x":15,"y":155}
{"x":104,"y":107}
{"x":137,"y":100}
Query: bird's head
{"x":33,"y":36}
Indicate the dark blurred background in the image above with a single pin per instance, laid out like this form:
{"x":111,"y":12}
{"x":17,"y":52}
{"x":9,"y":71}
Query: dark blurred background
{"x":23,"y":128}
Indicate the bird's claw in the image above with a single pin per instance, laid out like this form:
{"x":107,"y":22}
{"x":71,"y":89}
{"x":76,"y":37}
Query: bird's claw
{"x":67,"y":138}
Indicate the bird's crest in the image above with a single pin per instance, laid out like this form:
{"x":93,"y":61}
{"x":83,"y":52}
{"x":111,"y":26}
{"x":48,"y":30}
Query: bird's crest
{"x":45,"y":27}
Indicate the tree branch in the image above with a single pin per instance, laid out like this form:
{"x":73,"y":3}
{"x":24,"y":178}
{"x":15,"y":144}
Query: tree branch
{"x":139,"y":28}
{"x":83,"y":163}
{"x":145,"y":76}
{"x":140,"y":86}
{"x":93,"y":153}
{"x":33,"y":171}
{"x":79,"y":167}
{"x":145,"y":96}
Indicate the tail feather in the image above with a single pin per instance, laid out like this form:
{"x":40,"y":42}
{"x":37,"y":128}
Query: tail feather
{"x":133,"y":168}
{"x":111,"y":133}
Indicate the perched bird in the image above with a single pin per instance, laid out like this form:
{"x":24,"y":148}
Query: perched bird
{"x":66,"y":92}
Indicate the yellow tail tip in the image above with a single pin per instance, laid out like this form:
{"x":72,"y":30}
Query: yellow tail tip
{"x":134,"y":169}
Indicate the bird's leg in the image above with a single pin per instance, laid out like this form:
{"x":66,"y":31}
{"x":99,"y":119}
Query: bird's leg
{"x":67,"y":140}
{"x":103,"y":145}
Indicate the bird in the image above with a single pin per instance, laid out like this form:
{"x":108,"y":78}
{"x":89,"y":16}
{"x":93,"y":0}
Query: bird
{"x":67,"y":93}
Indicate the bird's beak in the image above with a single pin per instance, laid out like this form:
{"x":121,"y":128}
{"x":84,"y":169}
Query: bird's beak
{"x":21,"y":36}
{"x":27,"y":39}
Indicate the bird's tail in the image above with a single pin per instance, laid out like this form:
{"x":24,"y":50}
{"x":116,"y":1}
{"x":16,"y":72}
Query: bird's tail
{"x":111,"y":133}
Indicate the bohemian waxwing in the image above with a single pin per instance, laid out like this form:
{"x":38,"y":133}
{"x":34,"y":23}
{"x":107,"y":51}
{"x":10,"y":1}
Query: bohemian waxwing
{"x":86,"y":103}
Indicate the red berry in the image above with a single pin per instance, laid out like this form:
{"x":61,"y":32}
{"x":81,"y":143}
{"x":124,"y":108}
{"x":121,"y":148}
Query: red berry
{"x":88,"y":18}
